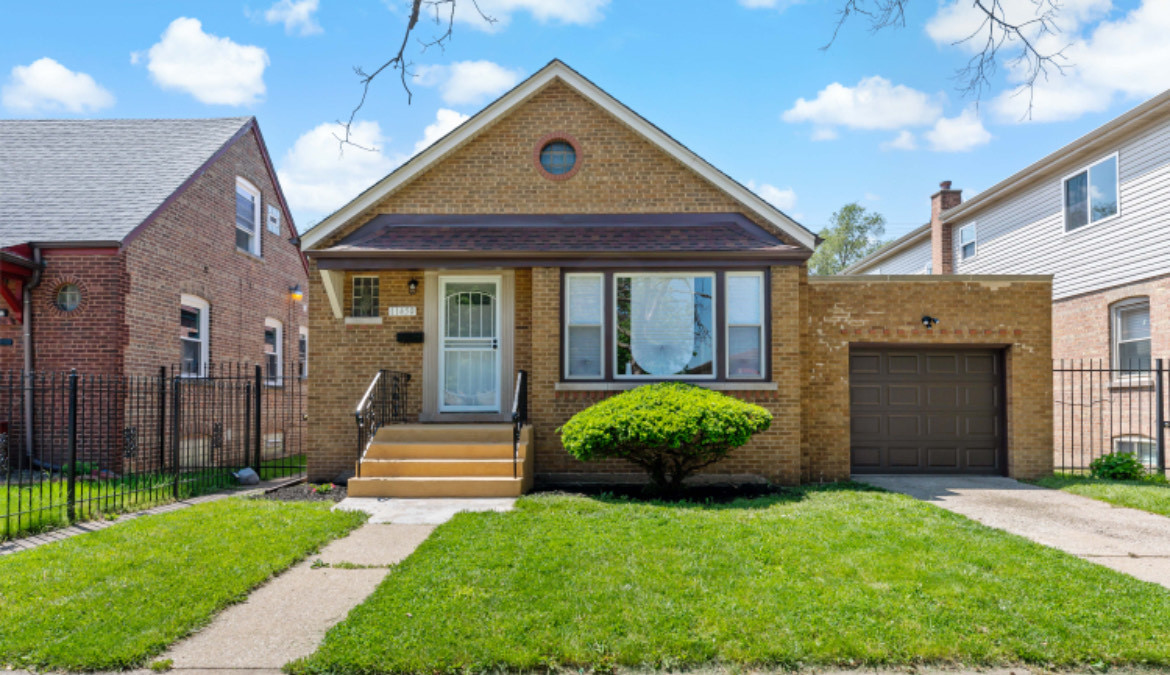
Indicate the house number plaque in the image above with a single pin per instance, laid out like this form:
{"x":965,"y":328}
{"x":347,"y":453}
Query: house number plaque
{"x":402,"y":311}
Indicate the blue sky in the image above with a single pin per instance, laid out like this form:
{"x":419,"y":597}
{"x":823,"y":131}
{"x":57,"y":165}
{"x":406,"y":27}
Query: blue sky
{"x":744,"y":83}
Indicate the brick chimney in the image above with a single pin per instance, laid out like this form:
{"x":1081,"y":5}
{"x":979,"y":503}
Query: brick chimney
{"x":942,"y":251}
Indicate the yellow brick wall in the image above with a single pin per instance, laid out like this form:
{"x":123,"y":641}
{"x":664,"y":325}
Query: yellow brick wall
{"x":1007,"y":312}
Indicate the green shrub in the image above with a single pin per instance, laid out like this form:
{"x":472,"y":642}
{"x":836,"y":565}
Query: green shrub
{"x":669,"y":429}
{"x":1118,"y":466}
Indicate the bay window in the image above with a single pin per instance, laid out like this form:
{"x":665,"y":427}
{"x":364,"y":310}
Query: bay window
{"x":701,"y":325}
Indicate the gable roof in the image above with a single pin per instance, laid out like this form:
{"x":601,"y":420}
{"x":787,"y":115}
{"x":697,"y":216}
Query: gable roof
{"x":97,"y":180}
{"x":555,"y":70}
{"x":1070,"y":156}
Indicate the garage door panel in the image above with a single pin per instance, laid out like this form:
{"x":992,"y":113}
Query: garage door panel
{"x":904,"y":425}
{"x":926,"y":410}
{"x":866,"y":457}
{"x":903,"y":364}
{"x":868,"y":394}
{"x":868,"y":425}
{"x":904,"y":395}
{"x":942,"y":458}
{"x":904,"y":458}
{"x":944,"y":364}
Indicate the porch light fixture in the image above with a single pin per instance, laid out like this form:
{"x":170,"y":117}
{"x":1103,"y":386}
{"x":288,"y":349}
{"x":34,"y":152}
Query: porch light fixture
{"x":412,"y":286}
{"x":296,"y":293}
{"x":929,"y":321}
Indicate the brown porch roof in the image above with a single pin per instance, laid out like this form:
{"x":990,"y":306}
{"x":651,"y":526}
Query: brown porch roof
{"x":557,"y":239}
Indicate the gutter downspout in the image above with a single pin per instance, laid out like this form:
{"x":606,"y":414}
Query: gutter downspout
{"x":26,"y":298}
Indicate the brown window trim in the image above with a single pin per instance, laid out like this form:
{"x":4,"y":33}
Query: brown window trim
{"x":553,"y":137}
{"x":607,"y":308}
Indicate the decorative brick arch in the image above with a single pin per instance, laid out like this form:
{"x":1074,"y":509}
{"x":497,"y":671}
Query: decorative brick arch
{"x":55,"y":285}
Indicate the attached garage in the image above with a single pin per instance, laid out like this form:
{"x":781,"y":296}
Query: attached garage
{"x":927,"y":410}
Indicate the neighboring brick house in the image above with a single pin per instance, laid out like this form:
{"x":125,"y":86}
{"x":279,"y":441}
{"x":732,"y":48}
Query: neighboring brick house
{"x":558,"y":233}
{"x":129,"y":245}
{"x":1094,"y":215}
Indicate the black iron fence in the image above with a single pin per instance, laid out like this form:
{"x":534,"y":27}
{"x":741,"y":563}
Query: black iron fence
{"x":76,"y":446}
{"x":1101,"y":408}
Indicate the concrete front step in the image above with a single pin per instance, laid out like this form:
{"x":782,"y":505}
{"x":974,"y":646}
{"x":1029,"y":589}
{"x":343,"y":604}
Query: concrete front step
{"x":445,"y":433}
{"x":462,"y":486}
{"x":436,"y":468}
{"x":443,"y":450}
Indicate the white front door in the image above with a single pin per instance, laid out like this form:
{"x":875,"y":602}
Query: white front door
{"x":469,"y":344}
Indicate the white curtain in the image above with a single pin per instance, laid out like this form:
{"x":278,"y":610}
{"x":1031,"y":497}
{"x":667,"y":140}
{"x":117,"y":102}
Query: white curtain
{"x":662,"y":323}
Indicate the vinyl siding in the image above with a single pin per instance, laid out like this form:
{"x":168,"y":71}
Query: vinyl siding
{"x":1025,"y":235}
{"x":912,"y":260}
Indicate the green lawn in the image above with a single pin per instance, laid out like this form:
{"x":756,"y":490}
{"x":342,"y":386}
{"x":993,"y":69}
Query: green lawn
{"x":113,"y":598}
{"x":1144,"y":495}
{"x":832,"y":576}
{"x":43,"y":506}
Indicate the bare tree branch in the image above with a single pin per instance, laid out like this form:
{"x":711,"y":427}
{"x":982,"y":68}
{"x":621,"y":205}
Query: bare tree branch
{"x":997,"y":34}
{"x":398,"y":61}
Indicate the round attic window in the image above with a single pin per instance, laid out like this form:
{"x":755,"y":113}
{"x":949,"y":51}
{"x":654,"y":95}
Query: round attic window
{"x":557,"y":156}
{"x":68,"y":297}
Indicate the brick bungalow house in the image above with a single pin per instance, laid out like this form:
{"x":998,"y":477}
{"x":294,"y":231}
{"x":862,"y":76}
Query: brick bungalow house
{"x":1092,"y":214}
{"x":126,"y":245}
{"x":559,"y":234}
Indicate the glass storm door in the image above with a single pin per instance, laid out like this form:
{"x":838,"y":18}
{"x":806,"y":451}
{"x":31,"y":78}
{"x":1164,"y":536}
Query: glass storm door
{"x":469,"y":344}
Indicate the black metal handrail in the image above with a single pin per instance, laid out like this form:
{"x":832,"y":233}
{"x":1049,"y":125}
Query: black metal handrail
{"x":383,"y":403}
{"x":519,"y":415}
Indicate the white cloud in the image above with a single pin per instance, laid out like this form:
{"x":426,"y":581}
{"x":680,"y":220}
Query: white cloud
{"x":959,"y":20}
{"x":544,"y":11}
{"x":445,"y":121}
{"x":468,"y":82}
{"x":958,"y":134}
{"x":45,"y":85}
{"x":1125,"y":57}
{"x":296,"y":15}
{"x":905,"y":140}
{"x":782,"y":198}
{"x":780,"y":5}
{"x":213,"y":69}
{"x":875,"y":103}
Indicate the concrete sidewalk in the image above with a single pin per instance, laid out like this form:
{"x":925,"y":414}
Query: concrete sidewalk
{"x":1127,"y":540}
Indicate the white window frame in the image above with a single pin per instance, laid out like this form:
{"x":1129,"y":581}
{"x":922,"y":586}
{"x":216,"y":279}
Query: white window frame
{"x":279,"y":377}
{"x":1115,"y":333}
{"x":568,"y":324}
{"x":727,"y":326}
{"x":353,"y":297}
{"x":1116,"y":156}
{"x":714,"y":320}
{"x":204,"y":334}
{"x":258,"y":225}
{"x":303,"y":334}
{"x":974,"y":243}
{"x":1138,"y":438}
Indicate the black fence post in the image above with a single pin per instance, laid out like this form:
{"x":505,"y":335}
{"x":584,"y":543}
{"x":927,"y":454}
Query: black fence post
{"x":72,"y":495}
{"x":1160,"y":415}
{"x":257,"y":403}
{"x":176,"y":402}
{"x":162,"y":419}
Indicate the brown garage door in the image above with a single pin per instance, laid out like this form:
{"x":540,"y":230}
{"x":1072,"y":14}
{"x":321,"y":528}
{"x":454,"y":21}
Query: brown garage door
{"x":926,"y":411}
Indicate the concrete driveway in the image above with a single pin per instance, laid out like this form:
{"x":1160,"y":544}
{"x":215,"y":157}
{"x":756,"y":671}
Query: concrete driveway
{"x":1127,"y":540}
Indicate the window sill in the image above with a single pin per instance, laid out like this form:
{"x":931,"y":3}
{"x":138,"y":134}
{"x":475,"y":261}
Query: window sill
{"x":1132,"y":382}
{"x":626,"y":386}
{"x":249,"y":254}
{"x":363,"y":321}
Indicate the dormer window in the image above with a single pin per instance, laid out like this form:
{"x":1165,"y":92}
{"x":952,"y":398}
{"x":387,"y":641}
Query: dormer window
{"x":247,"y":217}
{"x":1091,"y":195}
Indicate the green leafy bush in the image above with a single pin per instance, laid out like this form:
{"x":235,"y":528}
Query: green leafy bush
{"x":669,"y":429}
{"x":1118,"y":466}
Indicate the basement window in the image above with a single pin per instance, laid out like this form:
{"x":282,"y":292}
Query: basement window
{"x":1142,"y":447}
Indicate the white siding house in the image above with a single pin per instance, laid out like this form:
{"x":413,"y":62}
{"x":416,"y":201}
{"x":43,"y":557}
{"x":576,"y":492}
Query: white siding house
{"x":909,"y":254}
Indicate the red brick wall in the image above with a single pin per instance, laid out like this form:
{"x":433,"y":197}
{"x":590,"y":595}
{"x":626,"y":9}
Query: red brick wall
{"x":90,"y":338}
{"x":190,"y":248}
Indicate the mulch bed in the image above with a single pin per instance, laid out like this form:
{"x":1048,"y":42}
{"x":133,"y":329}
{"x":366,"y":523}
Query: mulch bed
{"x":714,"y":494}
{"x":303,"y":492}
